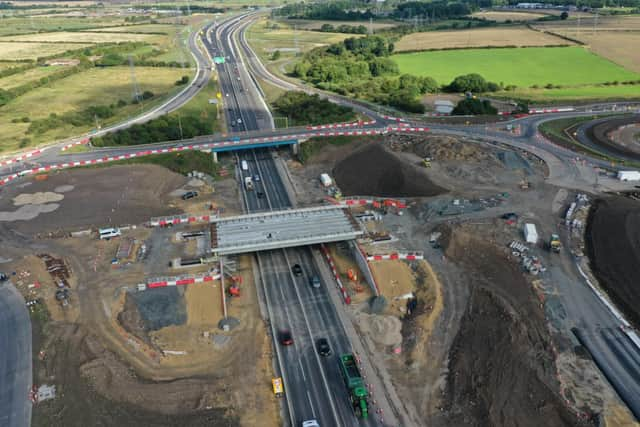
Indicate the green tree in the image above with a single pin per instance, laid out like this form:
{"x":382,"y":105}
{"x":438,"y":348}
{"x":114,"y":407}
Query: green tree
{"x":276,"y":55}
{"x":564,"y":15}
{"x":474,"y":106}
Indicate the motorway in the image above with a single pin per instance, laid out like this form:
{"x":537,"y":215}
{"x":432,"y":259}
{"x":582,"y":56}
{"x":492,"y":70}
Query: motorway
{"x":15,"y":358}
{"x":313,"y":384}
{"x":309,"y":312}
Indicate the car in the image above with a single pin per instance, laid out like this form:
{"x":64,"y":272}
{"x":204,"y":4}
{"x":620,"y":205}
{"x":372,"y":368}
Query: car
{"x":260,"y":194}
{"x":227,"y":95}
{"x":256,"y":178}
{"x":310,"y":423}
{"x":314,"y":281}
{"x":285,"y":337}
{"x":189,"y":195}
{"x":324,"y":349}
{"x":3,"y":277}
{"x":297,"y":270}
{"x":239,"y":121}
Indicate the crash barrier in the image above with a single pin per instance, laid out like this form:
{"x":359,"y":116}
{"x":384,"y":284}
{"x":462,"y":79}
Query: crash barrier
{"x":363,"y":264}
{"x":343,"y":291}
{"x":397,"y":119}
{"x":178,"y":281}
{"x":341,"y":125}
{"x":551,"y":110}
{"x":409,"y":256}
{"x":21,"y":157}
{"x":73,"y":144}
{"x":179,"y":219}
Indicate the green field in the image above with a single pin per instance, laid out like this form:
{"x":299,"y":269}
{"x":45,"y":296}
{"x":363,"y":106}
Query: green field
{"x":96,"y":86}
{"x":27,"y":76}
{"x":26,"y":25}
{"x":523,"y":67}
{"x":612,"y":92}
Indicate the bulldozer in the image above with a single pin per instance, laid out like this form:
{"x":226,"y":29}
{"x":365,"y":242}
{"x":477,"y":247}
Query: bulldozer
{"x":426,"y":162}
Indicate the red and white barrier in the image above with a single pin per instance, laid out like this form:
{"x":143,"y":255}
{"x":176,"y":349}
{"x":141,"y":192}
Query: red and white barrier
{"x":376,"y":203}
{"x":341,"y":125}
{"x":21,"y":157}
{"x":73,"y":144}
{"x":179,"y":219}
{"x":397,"y":119}
{"x":551,"y":110}
{"x":407,"y":129}
{"x":343,"y":291}
{"x":180,"y":281}
{"x":409,"y":256}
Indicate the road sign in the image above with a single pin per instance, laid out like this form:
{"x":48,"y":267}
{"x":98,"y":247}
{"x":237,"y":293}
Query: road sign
{"x":219,"y":95}
{"x":218,"y":59}
{"x":213,"y":101}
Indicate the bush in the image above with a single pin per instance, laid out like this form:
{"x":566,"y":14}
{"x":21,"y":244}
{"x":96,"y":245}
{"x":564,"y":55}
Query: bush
{"x":183,"y":81}
{"x":304,"y":109}
{"x":473,"y":106}
{"x":474,"y":83}
{"x":275,"y":55}
{"x":147,"y":94}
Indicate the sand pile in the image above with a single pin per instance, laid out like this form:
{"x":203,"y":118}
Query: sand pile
{"x":384,"y":330}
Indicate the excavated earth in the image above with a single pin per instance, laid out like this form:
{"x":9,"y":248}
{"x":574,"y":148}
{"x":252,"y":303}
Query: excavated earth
{"x":613,"y":246}
{"x":375,"y":171}
{"x":501,"y":368}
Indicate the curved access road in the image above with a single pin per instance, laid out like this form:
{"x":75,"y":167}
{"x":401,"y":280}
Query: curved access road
{"x":15,"y":358}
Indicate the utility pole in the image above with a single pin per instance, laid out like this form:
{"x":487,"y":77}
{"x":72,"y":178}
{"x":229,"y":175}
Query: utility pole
{"x":370,"y":25}
{"x":295,"y":38}
{"x":134,"y":83}
{"x":180,"y":127}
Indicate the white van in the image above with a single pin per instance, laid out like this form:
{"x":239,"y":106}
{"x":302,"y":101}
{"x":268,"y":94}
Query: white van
{"x":245,"y":165}
{"x":108,"y":233}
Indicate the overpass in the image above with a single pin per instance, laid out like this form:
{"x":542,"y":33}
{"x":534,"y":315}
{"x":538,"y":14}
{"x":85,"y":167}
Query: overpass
{"x":282,"y":229}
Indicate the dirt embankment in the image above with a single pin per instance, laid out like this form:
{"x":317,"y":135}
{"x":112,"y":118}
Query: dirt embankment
{"x":376,"y":171}
{"x":129,"y":401}
{"x":603,"y":134}
{"x":501,"y":371}
{"x":613,"y":246}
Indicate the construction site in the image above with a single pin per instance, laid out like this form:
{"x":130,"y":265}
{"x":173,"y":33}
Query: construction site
{"x":453,"y":305}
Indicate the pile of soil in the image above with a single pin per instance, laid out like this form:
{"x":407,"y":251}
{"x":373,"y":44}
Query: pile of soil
{"x":613,"y":247}
{"x":375,"y":171}
{"x":441,"y":148}
{"x":501,"y":370}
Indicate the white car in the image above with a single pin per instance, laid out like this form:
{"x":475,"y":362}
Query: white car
{"x":310,"y":423}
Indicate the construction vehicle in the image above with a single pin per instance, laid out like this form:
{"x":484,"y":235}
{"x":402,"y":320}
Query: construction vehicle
{"x":554,"y":243}
{"x":248,"y":183}
{"x":276,"y":384}
{"x":524,"y":184}
{"x":426,"y":162}
{"x":353,"y":380}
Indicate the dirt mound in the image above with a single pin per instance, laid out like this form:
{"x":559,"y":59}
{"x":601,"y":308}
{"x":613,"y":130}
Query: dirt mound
{"x":501,"y":371}
{"x":160,"y":307}
{"x":374,"y":171}
{"x":613,"y":246}
{"x":132,"y":321}
{"x":385,"y":330}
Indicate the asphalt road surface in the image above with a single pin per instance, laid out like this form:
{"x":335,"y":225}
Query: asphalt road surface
{"x":15,"y":358}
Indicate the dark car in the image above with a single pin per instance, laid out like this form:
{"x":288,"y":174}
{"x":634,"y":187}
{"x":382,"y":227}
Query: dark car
{"x":3,"y":277}
{"x":324,"y":349}
{"x":297,"y":270}
{"x":285,"y":337}
{"x":189,"y":195}
{"x":260,"y":194}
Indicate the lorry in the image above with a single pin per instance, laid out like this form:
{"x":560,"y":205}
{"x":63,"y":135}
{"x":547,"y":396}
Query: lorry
{"x":353,"y":380}
{"x":248,"y":183}
{"x":554,"y":243}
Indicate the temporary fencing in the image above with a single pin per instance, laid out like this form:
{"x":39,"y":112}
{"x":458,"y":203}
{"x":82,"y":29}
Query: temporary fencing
{"x":551,"y":110}
{"x":376,"y":203}
{"x":341,"y":125}
{"x":409,"y":256}
{"x":21,"y":157}
{"x":343,"y":291}
{"x":179,"y":219}
{"x":73,"y":144}
{"x":178,"y":281}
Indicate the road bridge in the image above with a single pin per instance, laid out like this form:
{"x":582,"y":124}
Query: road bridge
{"x":282,"y":229}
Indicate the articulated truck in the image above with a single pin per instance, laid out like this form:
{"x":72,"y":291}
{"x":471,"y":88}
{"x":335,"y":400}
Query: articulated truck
{"x":353,"y":380}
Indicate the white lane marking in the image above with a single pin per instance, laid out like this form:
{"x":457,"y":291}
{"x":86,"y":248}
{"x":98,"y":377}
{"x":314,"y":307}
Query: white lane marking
{"x":313,"y":410}
{"x":302,"y":370}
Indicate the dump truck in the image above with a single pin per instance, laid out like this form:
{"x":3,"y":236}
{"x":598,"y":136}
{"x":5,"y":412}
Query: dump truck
{"x":248,"y":183}
{"x":353,"y":380}
{"x":554,"y":243}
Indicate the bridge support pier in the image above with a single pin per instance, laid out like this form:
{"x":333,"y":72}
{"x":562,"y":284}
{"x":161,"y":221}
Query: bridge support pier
{"x":214,"y":154}
{"x":295,"y":148}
